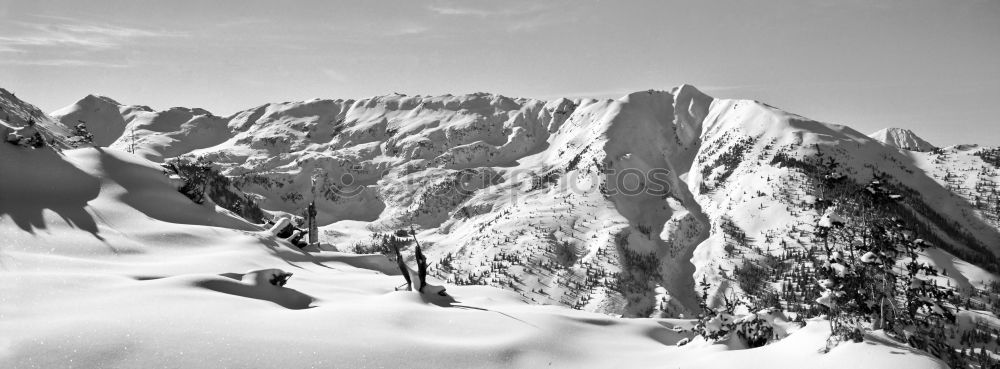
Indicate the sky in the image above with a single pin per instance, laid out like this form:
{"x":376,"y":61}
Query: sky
{"x":930,"y":66}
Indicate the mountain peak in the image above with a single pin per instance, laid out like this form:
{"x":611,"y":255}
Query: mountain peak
{"x":902,"y":138}
{"x":100,"y":114}
{"x":98,"y":98}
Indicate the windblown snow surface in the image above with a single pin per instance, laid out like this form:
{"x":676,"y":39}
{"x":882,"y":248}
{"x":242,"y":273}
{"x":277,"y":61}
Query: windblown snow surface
{"x":105,"y":264}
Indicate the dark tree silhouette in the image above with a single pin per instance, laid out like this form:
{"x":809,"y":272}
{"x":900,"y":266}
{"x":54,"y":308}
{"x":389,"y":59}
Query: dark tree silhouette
{"x":402,"y":267}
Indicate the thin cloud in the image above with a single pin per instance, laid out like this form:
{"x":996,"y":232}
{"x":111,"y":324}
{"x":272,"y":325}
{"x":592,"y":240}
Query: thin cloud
{"x":408,"y":30}
{"x":8,"y":49}
{"x":73,"y":34}
{"x":506,"y":10}
{"x":366,"y":32}
{"x":461,"y":11}
{"x":512,"y":17}
{"x":63,"y":63}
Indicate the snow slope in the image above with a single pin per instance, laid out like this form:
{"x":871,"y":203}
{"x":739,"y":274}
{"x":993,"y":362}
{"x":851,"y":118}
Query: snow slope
{"x":157,"y":135}
{"x":902,"y":139}
{"x":106,"y":265}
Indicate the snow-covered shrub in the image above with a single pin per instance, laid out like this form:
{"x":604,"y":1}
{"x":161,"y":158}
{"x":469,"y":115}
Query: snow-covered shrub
{"x":81,"y":135}
{"x":714,"y":324}
{"x":717,"y":324}
{"x":754,"y":330}
{"x":27,"y":136}
{"x":279,"y":279}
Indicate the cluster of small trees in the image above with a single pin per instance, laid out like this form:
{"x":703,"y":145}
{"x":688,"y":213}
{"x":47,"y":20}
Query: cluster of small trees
{"x":202,"y":180}
{"x":382,"y":243}
{"x":83,"y":135}
{"x":638,"y":269}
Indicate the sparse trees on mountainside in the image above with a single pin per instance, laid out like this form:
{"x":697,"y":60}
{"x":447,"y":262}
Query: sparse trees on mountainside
{"x":719,"y":170}
{"x":860,"y":266}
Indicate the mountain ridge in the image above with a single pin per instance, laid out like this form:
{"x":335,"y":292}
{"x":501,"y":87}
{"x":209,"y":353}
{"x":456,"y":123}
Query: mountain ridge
{"x":389,"y":143}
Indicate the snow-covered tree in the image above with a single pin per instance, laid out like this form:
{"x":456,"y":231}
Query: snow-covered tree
{"x":82,"y":134}
{"x":870,"y":275}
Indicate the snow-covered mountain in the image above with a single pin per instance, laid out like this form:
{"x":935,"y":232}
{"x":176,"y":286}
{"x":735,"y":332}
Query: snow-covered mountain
{"x":100,"y":114}
{"x":535,"y":198}
{"x":902,"y":139}
{"x":622,"y":207}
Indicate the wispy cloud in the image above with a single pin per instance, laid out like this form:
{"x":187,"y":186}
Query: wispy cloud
{"x":505,"y":9}
{"x":73,"y":34}
{"x":62,"y":63}
{"x":8,"y":49}
{"x":457,"y":10}
{"x":407,"y":30}
{"x":510,"y":16}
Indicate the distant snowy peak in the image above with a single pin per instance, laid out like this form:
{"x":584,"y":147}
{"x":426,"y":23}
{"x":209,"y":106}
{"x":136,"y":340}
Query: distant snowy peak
{"x":102,"y":116}
{"x":902,"y":139}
